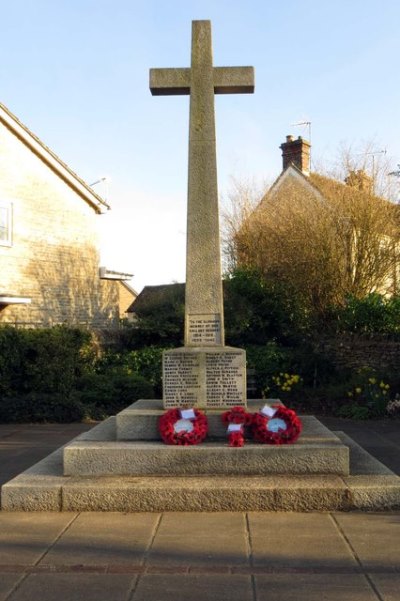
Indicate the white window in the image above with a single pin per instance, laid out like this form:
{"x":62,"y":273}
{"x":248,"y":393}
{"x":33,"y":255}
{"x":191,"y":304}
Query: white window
{"x":5,"y":223}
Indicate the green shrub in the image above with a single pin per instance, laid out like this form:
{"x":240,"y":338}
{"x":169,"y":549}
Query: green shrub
{"x":354,"y":411}
{"x":40,"y":407}
{"x":47,"y":360}
{"x":107,"y":394}
{"x":266,"y":361}
{"x":145,"y":362}
{"x":371,"y":314}
{"x":12,"y":350}
{"x":257,"y":310}
{"x":365,"y":395}
{"x":160,"y":319}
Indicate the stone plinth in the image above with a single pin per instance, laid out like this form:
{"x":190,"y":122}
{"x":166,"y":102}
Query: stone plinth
{"x":139,"y":421}
{"x":89,"y":458}
{"x":204,"y":377}
{"x":136,"y":450}
{"x":371,"y":486}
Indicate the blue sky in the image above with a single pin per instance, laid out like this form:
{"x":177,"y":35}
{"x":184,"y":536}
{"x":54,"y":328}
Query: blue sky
{"x":76,"y":73}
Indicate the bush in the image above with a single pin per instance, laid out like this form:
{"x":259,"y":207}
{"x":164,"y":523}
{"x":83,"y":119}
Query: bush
{"x":371,"y":314}
{"x":145,"y":362}
{"x":48,"y":360}
{"x":35,"y":407}
{"x":160,"y":319}
{"x":266,"y":361}
{"x":364,"y":396}
{"x":257,"y":310}
{"x":107,"y":394}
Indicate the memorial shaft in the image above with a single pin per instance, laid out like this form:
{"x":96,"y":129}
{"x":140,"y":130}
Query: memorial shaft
{"x":204,"y":300}
{"x":204,"y":320}
{"x":205,"y":372}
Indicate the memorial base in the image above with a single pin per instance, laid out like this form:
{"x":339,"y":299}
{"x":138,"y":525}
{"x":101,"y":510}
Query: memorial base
{"x":204,"y":377}
{"x":97,"y":471}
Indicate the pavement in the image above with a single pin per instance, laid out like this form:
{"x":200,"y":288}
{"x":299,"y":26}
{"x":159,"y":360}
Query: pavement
{"x":256,"y":556}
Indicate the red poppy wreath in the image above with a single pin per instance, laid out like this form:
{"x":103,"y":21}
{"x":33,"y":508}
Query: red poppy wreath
{"x":183,"y":426}
{"x":276,"y":425}
{"x":236,"y":419}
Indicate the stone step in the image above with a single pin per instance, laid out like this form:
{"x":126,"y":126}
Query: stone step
{"x":118,"y":458}
{"x":46,"y":489}
{"x":267,"y":493}
{"x":139,"y":421}
{"x":371,"y":486}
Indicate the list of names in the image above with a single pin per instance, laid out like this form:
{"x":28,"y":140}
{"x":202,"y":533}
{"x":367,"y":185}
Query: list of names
{"x":181,"y":375}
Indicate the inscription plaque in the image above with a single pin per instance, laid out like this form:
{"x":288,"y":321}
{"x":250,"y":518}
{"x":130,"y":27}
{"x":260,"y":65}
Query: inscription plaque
{"x":225,"y":383}
{"x":204,"y":329}
{"x":204,"y":378}
{"x":181,"y":379}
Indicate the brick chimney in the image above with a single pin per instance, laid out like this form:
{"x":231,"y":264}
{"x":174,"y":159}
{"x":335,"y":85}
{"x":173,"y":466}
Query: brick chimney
{"x":296,"y":152}
{"x":360,"y":180}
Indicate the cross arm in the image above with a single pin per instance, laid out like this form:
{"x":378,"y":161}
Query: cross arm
{"x":233,"y":80}
{"x":166,"y":82}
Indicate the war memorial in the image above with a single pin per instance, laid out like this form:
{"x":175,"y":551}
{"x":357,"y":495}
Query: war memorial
{"x":123,"y":464}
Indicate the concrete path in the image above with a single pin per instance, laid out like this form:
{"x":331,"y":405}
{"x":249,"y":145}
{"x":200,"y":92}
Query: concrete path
{"x":194,"y":556}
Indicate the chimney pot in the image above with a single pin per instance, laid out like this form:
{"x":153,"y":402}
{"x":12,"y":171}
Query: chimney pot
{"x":296,"y":152}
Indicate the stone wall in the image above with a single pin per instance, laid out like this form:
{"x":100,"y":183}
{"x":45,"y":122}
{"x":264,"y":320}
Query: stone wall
{"x":54,"y":257}
{"x":378,"y":351}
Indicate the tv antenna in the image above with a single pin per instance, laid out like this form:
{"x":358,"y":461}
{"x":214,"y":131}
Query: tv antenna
{"x":106,"y":180}
{"x":395,"y":173}
{"x":308,"y":125}
{"x":373,"y":154}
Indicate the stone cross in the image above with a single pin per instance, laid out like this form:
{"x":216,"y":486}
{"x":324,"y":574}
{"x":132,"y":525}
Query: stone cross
{"x":204,"y":318}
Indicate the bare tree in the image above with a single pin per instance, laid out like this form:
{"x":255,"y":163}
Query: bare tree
{"x":326,"y":239}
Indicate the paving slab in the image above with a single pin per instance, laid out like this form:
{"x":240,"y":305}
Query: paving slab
{"x":210,"y":587}
{"x":36,"y":489}
{"x":22,"y":445}
{"x":289,"y":556}
{"x":216,"y":539}
{"x":362,"y":463}
{"x":25,"y":537}
{"x":314,"y":587}
{"x":74,"y":587}
{"x":387,"y":585}
{"x":306,"y":540}
{"x":375,"y":538}
{"x":380,"y":437}
{"x":7,"y":583}
{"x":115,"y":538}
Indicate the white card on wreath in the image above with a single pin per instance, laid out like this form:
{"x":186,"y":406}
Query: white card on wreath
{"x":188,"y":414}
{"x":268,"y":411}
{"x":235,"y":427}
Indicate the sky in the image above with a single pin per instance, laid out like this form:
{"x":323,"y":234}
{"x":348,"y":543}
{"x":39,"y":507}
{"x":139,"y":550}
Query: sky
{"x":76,"y":73}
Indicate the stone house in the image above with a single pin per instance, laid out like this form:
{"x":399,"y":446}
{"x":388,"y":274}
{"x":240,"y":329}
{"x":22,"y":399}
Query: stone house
{"x":304,"y":193}
{"x":49,"y":247}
